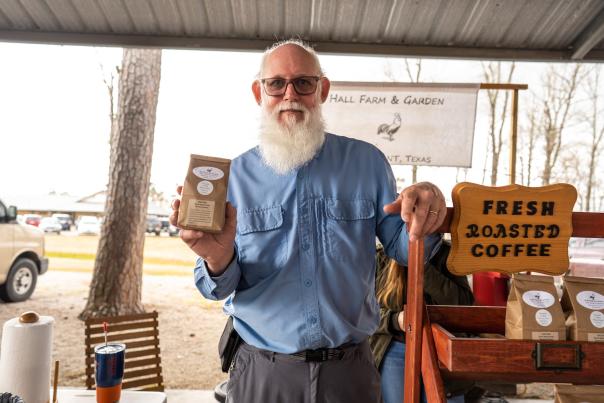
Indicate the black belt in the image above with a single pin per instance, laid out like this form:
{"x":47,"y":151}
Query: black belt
{"x":321,"y":354}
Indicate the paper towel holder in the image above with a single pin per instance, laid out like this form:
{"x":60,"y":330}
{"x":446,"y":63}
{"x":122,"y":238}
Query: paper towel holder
{"x":29,"y":317}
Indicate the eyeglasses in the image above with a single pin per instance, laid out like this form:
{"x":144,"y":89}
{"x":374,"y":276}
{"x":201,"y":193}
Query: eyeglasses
{"x":277,"y":86}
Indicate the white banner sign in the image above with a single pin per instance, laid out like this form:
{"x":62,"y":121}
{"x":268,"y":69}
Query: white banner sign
{"x":413,"y":124}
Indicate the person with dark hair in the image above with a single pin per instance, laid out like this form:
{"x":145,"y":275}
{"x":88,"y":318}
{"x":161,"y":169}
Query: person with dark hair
{"x":388,"y":342}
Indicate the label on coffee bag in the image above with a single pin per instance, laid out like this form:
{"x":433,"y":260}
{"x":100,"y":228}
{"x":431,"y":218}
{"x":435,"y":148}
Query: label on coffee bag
{"x":595,"y":336}
{"x":591,"y":300}
{"x":538,"y":299}
{"x":204,"y":193}
{"x":543,"y":317}
{"x":545,"y":336}
{"x":200,"y":212}
{"x":597,"y":319}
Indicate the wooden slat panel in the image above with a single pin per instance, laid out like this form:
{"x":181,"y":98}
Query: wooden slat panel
{"x":471,"y":319}
{"x":119,"y":319}
{"x":142,"y":382}
{"x":114,"y":328}
{"x":142,"y":353}
{"x":124,"y":336}
{"x":142,"y":372}
{"x":142,"y":363}
{"x":141,"y":336}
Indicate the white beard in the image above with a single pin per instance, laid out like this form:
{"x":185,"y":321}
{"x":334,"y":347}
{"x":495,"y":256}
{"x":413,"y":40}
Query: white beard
{"x":289,"y":145}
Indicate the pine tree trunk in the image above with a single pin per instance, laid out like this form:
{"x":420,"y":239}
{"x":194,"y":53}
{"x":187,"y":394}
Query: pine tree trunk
{"x":117,"y":280}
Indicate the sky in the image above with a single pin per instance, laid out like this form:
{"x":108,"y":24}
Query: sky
{"x":54,"y":106}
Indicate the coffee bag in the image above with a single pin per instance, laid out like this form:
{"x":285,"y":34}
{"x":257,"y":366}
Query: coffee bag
{"x":203,"y":197}
{"x":533,"y":310}
{"x":583,"y":306}
{"x":578,"y":393}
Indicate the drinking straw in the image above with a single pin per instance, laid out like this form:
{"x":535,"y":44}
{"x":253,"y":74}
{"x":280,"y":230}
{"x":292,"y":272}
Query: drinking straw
{"x":105,"y":327}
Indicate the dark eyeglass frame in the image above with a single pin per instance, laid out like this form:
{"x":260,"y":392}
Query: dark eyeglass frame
{"x":289,"y":81}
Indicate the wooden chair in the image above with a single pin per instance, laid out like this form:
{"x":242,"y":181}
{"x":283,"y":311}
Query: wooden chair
{"x":143,"y":360}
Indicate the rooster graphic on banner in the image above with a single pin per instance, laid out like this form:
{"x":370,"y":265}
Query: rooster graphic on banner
{"x":388,"y":130}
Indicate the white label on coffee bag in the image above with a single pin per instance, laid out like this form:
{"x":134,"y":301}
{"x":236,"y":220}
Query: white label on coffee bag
{"x":543,"y":317}
{"x":595,"y":336}
{"x":591,"y":300}
{"x":545,"y":336}
{"x":209,"y":173}
{"x":597,"y":319}
{"x":538,"y":299}
{"x":205,"y":188}
{"x":200,"y":213}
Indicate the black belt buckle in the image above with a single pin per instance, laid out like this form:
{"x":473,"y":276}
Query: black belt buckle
{"x":323,"y":354}
{"x":318,"y":355}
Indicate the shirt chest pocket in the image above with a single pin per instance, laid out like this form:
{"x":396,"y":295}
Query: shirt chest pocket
{"x":261,"y":242}
{"x":350,"y":227}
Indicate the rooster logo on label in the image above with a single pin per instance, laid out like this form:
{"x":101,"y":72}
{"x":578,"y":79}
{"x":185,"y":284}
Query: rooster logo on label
{"x":387,"y":130}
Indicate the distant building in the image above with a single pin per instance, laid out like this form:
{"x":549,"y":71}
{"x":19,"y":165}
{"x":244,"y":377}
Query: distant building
{"x":93,"y":204}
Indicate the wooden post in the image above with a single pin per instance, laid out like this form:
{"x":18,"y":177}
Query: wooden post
{"x":414,"y":312}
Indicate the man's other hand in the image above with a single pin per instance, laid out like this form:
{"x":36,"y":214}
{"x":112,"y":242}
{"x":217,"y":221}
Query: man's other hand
{"x":422,"y":206}
{"x":216,"y":249}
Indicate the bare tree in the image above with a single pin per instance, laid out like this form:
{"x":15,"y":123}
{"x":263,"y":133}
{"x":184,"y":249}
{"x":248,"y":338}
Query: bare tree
{"x":560,"y":85}
{"x":492,"y":73}
{"x":596,"y":134}
{"x":414,"y":76}
{"x":117,"y":280}
{"x":528,"y":144}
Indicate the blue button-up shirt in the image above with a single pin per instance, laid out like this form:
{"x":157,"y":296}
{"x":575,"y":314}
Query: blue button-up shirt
{"x":304,"y":273}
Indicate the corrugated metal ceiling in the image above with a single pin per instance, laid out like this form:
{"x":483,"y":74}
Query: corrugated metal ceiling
{"x":485,"y":29}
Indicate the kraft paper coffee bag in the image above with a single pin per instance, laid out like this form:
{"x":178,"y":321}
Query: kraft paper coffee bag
{"x":203,"y":198}
{"x":583,"y":306}
{"x":533,"y":310}
{"x":578,"y":393}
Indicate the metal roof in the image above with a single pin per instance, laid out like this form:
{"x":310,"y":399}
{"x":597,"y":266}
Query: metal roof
{"x":553,"y":30}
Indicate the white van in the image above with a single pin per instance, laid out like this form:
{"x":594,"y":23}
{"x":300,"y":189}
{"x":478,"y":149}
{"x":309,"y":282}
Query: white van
{"x":21,"y":256}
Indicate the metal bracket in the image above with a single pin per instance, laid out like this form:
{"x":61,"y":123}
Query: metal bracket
{"x":540,"y":355}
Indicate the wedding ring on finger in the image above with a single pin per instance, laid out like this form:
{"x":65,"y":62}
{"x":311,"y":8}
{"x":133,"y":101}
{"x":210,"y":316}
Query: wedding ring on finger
{"x":434,"y":212}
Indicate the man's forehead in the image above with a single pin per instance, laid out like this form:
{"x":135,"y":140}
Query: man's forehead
{"x":290,"y":59}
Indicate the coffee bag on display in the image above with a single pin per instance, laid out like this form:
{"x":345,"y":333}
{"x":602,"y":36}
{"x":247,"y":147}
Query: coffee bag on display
{"x":533,"y":311}
{"x":583,"y":306}
{"x":578,"y":393}
{"x":203,"y":198}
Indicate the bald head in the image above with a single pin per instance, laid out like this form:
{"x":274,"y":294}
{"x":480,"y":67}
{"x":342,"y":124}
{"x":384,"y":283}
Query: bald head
{"x":291,"y":48}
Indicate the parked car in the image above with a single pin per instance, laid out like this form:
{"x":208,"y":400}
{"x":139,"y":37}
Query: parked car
{"x":21,"y":256}
{"x":586,"y":257}
{"x":154,"y":225}
{"x":50,"y":224}
{"x":88,"y":225}
{"x":173,"y":231}
{"x":32,"y":219}
{"x":65,"y":220}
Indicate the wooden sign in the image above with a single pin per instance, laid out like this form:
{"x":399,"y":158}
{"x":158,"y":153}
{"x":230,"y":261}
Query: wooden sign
{"x":511,"y":228}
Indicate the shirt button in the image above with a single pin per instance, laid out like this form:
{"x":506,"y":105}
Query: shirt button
{"x":305,"y":246}
{"x":308,"y":283}
{"x":313,"y":319}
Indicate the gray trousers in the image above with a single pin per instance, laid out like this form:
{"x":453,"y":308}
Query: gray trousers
{"x":261,"y":376}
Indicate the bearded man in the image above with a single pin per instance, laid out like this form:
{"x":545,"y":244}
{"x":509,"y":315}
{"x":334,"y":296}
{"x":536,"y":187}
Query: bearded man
{"x":296,"y":256}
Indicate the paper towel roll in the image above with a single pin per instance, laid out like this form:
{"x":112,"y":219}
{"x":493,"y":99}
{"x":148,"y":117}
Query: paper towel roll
{"x":25,"y":357}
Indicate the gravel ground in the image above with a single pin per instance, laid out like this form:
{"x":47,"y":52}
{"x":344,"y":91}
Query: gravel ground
{"x":189,"y":326}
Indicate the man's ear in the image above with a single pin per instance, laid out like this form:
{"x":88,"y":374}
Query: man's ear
{"x":257,"y":90}
{"x":325,"y":85}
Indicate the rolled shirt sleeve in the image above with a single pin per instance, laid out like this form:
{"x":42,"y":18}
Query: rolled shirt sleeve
{"x":216,"y":287}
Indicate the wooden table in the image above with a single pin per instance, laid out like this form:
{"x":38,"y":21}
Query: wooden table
{"x":70,"y":395}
